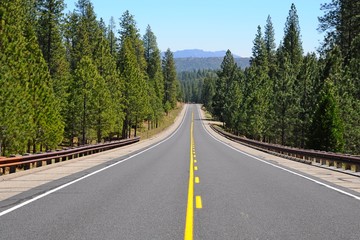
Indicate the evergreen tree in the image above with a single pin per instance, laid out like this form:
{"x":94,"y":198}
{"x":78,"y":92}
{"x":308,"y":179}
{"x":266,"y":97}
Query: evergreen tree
{"x":16,"y":111}
{"x":110,"y":116}
{"x":326,"y":131}
{"x":292,"y":40}
{"x":49,"y":36}
{"x":47,"y":125}
{"x":269,"y":38}
{"x":91,"y":100}
{"x":344,"y":81}
{"x":284,"y":98}
{"x":309,"y":93}
{"x":129,"y":34}
{"x":292,"y":51}
{"x":341,"y":25}
{"x":48,"y":30}
{"x":128,"y":29}
{"x":170,"y":81}
{"x":352,"y":78}
{"x":208,"y":92}
{"x":154,"y":72}
{"x":258,"y":90}
{"x":134,"y":91}
{"x":111,"y":37}
{"x":227,"y":94}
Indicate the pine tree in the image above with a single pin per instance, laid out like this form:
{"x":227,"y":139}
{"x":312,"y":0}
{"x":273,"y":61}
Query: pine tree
{"x":344,"y":81}
{"x":326,"y":131}
{"x":46,"y":120}
{"x":292,"y":51}
{"x":226,"y":76}
{"x":154,"y":72}
{"x":351,"y":122}
{"x":134,"y":93}
{"x":309,"y":93}
{"x":170,"y":81}
{"x":91,"y":99}
{"x":15,"y":108}
{"x":49,"y":24}
{"x":284,"y":98}
{"x":128,"y":29}
{"x":258,"y":90}
{"x":341,"y":25}
{"x":129,"y":35}
{"x":111,"y":37}
{"x":269,"y":38}
{"x":292,"y":40}
{"x":109,"y":117}
{"x":208,"y":92}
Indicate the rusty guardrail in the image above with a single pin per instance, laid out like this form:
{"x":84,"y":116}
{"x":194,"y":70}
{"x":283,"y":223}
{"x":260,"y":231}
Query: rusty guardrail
{"x":14,"y":164}
{"x":314,"y":157}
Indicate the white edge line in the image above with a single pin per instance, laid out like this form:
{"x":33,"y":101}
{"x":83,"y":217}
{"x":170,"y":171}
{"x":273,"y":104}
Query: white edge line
{"x":282,"y":168}
{"x":93,"y":173}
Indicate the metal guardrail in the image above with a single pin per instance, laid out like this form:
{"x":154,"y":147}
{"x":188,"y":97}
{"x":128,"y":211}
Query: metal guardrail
{"x":335,"y":161}
{"x":20,"y":163}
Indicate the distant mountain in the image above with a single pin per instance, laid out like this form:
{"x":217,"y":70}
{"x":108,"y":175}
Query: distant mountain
{"x":198,"y":53}
{"x":214,"y":63}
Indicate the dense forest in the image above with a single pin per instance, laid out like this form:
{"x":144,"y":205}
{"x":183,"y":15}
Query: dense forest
{"x":74,"y":79}
{"x":192,"y":83}
{"x":213,"y":63}
{"x":287,"y":97}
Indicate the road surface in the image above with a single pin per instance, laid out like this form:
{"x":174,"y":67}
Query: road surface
{"x":189,"y":186}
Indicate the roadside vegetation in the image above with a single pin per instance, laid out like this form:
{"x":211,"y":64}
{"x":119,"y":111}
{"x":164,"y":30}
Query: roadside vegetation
{"x":71,"y":79}
{"x":287,"y":97}
{"x":165,"y":122}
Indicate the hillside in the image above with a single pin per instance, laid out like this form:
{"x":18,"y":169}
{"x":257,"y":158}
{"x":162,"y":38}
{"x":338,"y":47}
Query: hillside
{"x":198,"y":53}
{"x":213,"y":63}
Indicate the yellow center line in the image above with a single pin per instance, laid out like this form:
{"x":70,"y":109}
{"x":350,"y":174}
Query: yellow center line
{"x":195,"y":168}
{"x":197,"y":180}
{"x":198,"y":202}
{"x":189,"y":226}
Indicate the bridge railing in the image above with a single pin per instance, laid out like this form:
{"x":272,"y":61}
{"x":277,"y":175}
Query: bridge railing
{"x":20,"y":163}
{"x":314,"y":157}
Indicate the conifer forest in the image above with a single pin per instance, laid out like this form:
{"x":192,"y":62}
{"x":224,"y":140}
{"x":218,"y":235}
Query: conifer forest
{"x":72,"y":79}
{"x":288,"y":97}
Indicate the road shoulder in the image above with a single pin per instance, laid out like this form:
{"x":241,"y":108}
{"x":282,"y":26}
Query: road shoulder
{"x":20,"y":182}
{"x":337,"y":178}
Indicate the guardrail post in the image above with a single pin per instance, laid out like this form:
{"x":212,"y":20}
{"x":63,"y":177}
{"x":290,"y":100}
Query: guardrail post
{"x":337,"y":164}
{"x":27,"y":166}
{"x":345,"y":166}
{"x":354,"y":167}
{"x":12,"y":169}
{"x":329,"y":163}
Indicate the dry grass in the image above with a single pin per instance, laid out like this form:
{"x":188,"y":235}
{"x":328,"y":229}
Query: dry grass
{"x":164,"y":123}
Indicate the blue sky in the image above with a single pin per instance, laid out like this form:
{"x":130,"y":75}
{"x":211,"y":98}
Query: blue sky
{"x":213,"y":24}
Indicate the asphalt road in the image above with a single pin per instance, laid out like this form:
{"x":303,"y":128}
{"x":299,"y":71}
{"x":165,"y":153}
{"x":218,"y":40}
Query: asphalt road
{"x":145,"y":196}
